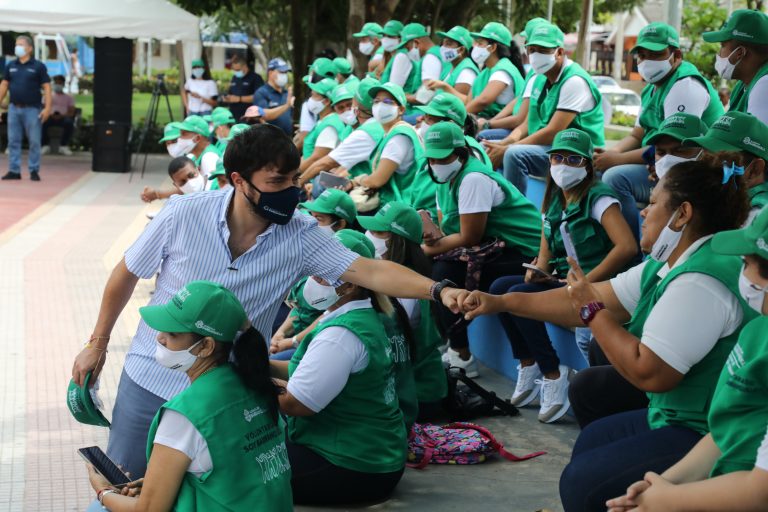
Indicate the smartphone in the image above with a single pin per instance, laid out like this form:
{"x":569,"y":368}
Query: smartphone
{"x":570,"y":249}
{"x":329,"y":180}
{"x":429,"y":226}
{"x":104,"y":465}
{"x":542,"y":273}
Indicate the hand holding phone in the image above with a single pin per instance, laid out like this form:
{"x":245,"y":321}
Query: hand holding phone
{"x":104,"y":465}
{"x":328,"y":180}
{"x":536,"y":274}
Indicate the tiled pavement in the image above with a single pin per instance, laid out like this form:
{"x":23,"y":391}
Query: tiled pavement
{"x":56,"y":251}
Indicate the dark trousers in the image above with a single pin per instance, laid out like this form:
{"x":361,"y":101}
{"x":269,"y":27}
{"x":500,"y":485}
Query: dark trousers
{"x":529,"y":338}
{"x":316,"y":481}
{"x":613,"y":453}
{"x":67,"y":124}
{"x":508,"y":263}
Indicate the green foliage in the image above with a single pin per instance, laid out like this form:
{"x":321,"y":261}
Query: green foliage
{"x":567,"y":13}
{"x":702,"y":16}
{"x":622,"y":119}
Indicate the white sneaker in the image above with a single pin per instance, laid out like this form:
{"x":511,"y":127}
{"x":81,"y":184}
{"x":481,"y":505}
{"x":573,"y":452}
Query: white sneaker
{"x":554,"y":396}
{"x":45,"y":150}
{"x":528,"y":385}
{"x":470,"y":365}
{"x":64,"y":150}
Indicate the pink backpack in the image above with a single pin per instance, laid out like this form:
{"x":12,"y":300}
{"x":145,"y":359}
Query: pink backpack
{"x":455,"y":443}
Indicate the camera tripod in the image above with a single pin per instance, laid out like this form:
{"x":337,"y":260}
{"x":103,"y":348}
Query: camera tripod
{"x":150,"y":121}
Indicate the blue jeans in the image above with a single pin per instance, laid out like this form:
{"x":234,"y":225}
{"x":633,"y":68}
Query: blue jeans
{"x":285,"y":355}
{"x":630,"y":182}
{"x":23,"y":121}
{"x":613,"y":453}
{"x":522,"y":160}
{"x":493,"y":134}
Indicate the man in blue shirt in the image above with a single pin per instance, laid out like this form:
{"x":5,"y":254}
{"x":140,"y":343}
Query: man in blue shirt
{"x":274,"y":94}
{"x":24,"y":77}
{"x":242,"y":87}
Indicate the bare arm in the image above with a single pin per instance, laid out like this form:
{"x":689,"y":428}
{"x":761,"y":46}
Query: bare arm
{"x":47,"y":101}
{"x":697,"y":463}
{"x":624,"y":245}
{"x":510,"y":122}
{"x":316,"y":155}
{"x":472,"y":228}
{"x":388,"y":278}
{"x":3,"y":89}
{"x":273,"y":113}
{"x":461,"y":91}
{"x":559,"y":122}
{"x":291,"y":406}
{"x":381,"y":175}
{"x":325,"y":163}
{"x":487,"y":97}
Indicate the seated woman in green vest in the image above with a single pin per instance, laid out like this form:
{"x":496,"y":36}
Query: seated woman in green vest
{"x":396,"y":233}
{"x":577,"y":201}
{"x":501,"y":77}
{"x":330,"y":129}
{"x":476,"y":206}
{"x":667,"y":326}
{"x":400,"y":153}
{"x":457,"y":44}
{"x":347,"y":436}
{"x":217,"y":445}
{"x":728,"y":468}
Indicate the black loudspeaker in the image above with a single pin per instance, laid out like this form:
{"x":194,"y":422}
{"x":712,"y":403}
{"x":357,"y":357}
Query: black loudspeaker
{"x":112,"y":96}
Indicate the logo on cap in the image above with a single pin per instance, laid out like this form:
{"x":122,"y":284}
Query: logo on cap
{"x":74,"y":403}
{"x":761,"y":244}
{"x":723,"y":122}
{"x":649,"y":30}
{"x":202,"y":326}
{"x":742,"y":34}
{"x":400,"y":228}
{"x":249,"y":415}
{"x":676,"y":121}
{"x":753,"y":143}
{"x":436,"y":135}
{"x":340,"y":210}
{"x":541,"y":30}
{"x":569,"y":135}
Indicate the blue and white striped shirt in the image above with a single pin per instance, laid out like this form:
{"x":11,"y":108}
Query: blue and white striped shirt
{"x":187,"y":241}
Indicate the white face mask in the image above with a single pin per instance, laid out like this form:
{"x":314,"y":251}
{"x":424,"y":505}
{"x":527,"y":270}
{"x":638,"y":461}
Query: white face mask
{"x":480,"y":54}
{"x":414,"y":54}
{"x":753,"y":294}
{"x":665,"y":163}
{"x":542,"y":62}
{"x":19,"y":51}
{"x":319,"y":296}
{"x":281,"y":79}
{"x":446,"y":172}
{"x":181,"y":147}
{"x":654,"y":70}
{"x":315,"y":106}
{"x":384,"y":113}
{"x":327,"y":229}
{"x":181,"y":360}
{"x":724,"y":67}
{"x":566,"y":177}
{"x":667,"y":241}
{"x":448,"y":54}
{"x":198,"y":72}
{"x":389,"y":43}
{"x":349,"y":117}
{"x":193,"y":185}
{"x":365,"y":48}
{"x":379,"y":245}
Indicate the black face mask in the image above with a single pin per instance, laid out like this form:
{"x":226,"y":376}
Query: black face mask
{"x":277,"y":207}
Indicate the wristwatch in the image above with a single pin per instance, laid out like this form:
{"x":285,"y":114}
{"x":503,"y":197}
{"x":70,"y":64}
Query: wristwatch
{"x":438,"y":287}
{"x":588,"y":311}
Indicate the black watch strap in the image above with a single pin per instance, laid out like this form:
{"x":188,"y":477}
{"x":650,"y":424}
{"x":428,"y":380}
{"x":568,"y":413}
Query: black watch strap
{"x":437,"y":288}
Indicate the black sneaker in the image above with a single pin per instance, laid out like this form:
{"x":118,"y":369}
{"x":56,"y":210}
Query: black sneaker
{"x":11,"y":176}
{"x":34,"y":176}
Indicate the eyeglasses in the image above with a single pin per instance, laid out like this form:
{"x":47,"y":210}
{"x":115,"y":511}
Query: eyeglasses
{"x":385,"y":101}
{"x":761,"y":289}
{"x":572,"y":160}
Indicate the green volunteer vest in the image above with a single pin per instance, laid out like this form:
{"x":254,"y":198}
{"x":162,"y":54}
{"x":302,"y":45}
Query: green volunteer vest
{"x":515,"y":220}
{"x":428,"y":370}
{"x":302,"y":314}
{"x":210,"y":148}
{"x":414,"y":77}
{"x":376,"y":132}
{"x":455,"y":71}
{"x":403,"y":368}
{"x":652,"y":100}
{"x":589,"y":237}
{"x":739,"y":409}
{"x":758,"y":195}
{"x":530,"y":76}
{"x":688,"y":404}
{"x":221,"y":146}
{"x":482,"y":81}
{"x":334,"y":121}
{"x":740,"y":94}
{"x":362,"y":429}
{"x":544,"y":100}
{"x":399,"y":186}
{"x":250,"y":462}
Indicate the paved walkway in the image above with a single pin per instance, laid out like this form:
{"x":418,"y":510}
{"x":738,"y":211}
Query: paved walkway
{"x":57,"y":246}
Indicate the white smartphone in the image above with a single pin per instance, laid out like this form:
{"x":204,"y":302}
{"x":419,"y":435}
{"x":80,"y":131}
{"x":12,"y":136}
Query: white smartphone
{"x":541,"y":273}
{"x":570,"y":249}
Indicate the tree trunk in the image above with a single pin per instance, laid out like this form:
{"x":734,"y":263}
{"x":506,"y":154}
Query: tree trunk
{"x":584,"y":38}
{"x":355,"y":20}
{"x":381,"y":11}
{"x":299,"y":53}
{"x":461,"y":13}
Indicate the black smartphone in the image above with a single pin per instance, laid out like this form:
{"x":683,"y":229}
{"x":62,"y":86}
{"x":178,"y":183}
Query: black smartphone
{"x":104,"y":465}
{"x":329,"y":180}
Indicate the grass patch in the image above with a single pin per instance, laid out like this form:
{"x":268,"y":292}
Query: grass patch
{"x":139,"y":107}
{"x":611,"y":134}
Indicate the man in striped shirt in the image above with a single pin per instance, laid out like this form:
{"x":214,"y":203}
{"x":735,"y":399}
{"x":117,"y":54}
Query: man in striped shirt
{"x":250,"y":239}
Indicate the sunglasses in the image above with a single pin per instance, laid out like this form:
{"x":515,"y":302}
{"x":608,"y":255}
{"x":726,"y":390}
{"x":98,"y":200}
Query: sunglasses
{"x":572,"y":160}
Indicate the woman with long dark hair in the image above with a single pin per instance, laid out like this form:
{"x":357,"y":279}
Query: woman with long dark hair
{"x":199,"y":93}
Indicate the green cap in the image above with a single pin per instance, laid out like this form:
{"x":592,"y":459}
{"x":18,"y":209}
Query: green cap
{"x":546,"y":35}
{"x":532,"y":23}
{"x":573,"y":140}
{"x":442,"y":138}
{"x":238,"y":129}
{"x":333,"y":202}
{"x":680,"y":126}
{"x":323,"y":66}
{"x":356,"y":242}
{"x":412,"y":31}
{"x":459,"y":34}
{"x":81,"y":404}
{"x":734,"y":131}
{"x":171,"y":132}
{"x":198,"y":63}
{"x":342,"y":92}
{"x":219,"y":171}
{"x":370,"y":29}
{"x":742,"y":25}
{"x":342,"y":65}
{"x":392,"y":28}
{"x":324,"y":87}
{"x":494,"y":31}
{"x":201,"y":307}
{"x":446,"y":105}
{"x":398,"y":218}
{"x":752,"y":239}
{"x":656,"y":37}
{"x":362,"y":95}
{"x":195,"y":124}
{"x":222,"y":118}
{"x":215,"y":112}
{"x":392,"y":88}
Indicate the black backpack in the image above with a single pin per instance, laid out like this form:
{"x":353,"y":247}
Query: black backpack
{"x":471,"y":400}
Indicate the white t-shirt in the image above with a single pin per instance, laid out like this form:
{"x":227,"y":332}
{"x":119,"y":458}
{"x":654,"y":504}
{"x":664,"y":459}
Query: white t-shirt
{"x":177,"y":432}
{"x":376,"y":57}
{"x":508,"y":94}
{"x":762,"y":454}
{"x":328,"y":138}
{"x":399,"y":149}
{"x":205,"y":88}
{"x":686,"y":95}
{"x":334,"y":354}
{"x":356,"y":148}
{"x":479,"y":193}
{"x":431,"y":67}
{"x":307,"y":120}
{"x":401,"y":69}
{"x":208,"y":164}
{"x":412,"y":309}
{"x":695,"y":311}
{"x":756,"y":103}
{"x":528,"y":88}
{"x":575,"y":94}
{"x":467,"y":76}
{"x":602,"y":204}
